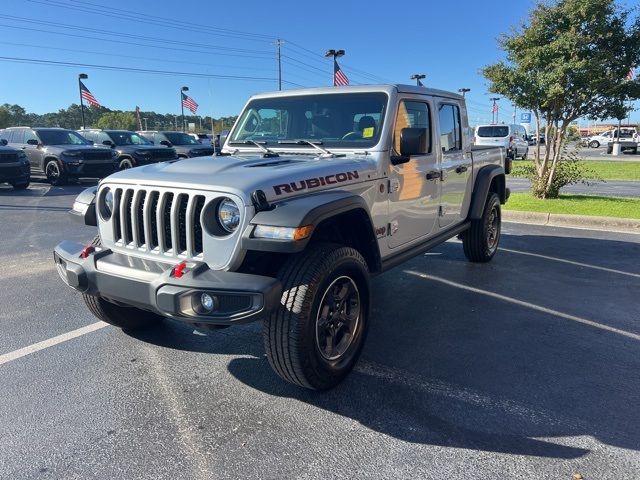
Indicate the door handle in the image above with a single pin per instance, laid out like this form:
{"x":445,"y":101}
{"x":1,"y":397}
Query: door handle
{"x":461,"y":169}
{"x":434,"y":175}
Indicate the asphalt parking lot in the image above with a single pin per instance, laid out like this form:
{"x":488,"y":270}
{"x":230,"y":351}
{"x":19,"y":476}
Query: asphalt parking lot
{"x":526,"y":367}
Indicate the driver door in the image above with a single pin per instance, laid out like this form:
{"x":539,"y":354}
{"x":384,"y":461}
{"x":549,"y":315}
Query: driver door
{"x":413,"y":199}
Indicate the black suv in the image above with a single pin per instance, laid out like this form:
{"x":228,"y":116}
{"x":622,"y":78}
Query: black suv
{"x":183,"y":143}
{"x":14,"y":166}
{"x":62,"y":154}
{"x":133,"y":149}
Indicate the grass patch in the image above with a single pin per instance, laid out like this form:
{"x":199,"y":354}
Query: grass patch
{"x":605,"y":170}
{"x":576,"y":205}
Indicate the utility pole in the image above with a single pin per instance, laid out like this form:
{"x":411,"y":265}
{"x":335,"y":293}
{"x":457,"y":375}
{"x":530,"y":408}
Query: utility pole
{"x":418,"y":77}
{"x":494,"y":110}
{"x":463,"y":91}
{"x":200,"y":120}
{"x":182,"y":90}
{"x":279,"y":44}
{"x":335,"y":54}
{"x":515,"y":112}
{"x":145,"y":124}
{"x":81,"y":77}
{"x":175,"y":118}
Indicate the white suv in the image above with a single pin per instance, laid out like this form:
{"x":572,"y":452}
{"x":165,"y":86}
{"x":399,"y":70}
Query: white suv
{"x":512,"y":137}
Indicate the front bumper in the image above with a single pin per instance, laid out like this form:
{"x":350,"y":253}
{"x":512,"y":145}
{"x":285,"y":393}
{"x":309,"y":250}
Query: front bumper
{"x":91,"y":169}
{"x":14,"y":173}
{"x":239,"y":297}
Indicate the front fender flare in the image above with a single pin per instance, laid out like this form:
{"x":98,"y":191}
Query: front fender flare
{"x":84,"y":207}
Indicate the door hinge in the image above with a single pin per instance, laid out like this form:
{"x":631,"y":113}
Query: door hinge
{"x":393,"y":227}
{"x":393,"y":185}
{"x":442,"y":210}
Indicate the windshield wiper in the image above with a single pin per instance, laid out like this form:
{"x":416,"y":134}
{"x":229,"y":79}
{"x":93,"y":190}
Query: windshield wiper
{"x":325,"y":153}
{"x":268,"y":153}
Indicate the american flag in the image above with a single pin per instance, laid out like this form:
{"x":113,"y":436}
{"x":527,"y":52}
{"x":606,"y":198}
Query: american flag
{"x":494,"y":109}
{"x":339,"y":78}
{"x":88,"y":96}
{"x":631,"y":74}
{"x":190,"y":103}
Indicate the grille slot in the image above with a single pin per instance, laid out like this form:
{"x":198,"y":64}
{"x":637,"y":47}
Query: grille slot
{"x":160,"y":222}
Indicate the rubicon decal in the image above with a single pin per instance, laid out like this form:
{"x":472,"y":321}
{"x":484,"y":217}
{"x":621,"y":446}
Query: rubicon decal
{"x":315,"y":182}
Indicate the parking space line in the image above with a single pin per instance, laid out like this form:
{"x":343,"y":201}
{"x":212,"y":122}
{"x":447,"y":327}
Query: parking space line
{"x":571,"y":262}
{"x":522,"y":303}
{"x":50,"y":342}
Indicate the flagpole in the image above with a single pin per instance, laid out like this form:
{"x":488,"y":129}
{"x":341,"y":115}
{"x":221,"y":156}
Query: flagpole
{"x":80,"y":78}
{"x":182,"y":90}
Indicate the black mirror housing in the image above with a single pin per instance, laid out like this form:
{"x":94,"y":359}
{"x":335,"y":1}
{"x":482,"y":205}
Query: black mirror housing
{"x":166,"y":143}
{"x":33,"y":141}
{"x":3,"y":141}
{"x":414,"y":141}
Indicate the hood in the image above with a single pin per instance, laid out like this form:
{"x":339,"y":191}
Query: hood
{"x":279,"y":177}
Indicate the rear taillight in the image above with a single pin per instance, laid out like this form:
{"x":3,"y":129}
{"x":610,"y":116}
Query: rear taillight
{"x":511,"y":139}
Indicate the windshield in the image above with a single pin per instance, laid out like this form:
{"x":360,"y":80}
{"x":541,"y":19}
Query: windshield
{"x":178,"y":138}
{"x":127,"y":138}
{"x":331,"y":120}
{"x":61,"y":137}
{"x":493,"y":131}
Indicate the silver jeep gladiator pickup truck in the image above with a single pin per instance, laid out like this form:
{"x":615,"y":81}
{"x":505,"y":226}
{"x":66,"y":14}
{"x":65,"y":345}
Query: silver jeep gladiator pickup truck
{"x":314,"y":192}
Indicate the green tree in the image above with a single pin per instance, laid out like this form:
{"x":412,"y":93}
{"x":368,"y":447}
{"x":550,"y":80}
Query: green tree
{"x":117,"y":120}
{"x":569,"y":60}
{"x":5,"y":117}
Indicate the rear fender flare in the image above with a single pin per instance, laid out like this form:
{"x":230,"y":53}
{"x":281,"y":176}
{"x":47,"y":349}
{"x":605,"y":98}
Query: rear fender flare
{"x":481,"y":189}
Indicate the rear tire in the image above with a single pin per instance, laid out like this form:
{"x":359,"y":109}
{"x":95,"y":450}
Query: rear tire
{"x":594,"y":144}
{"x":480,"y":241}
{"x":315,"y":337}
{"x":126,"y":318}
{"x":525,"y":155}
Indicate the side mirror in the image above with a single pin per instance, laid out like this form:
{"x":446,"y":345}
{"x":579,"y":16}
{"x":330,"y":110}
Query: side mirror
{"x":166,"y":143}
{"x":414,"y":141}
{"x":33,"y":141}
{"x":3,"y":141}
{"x":108,"y":143}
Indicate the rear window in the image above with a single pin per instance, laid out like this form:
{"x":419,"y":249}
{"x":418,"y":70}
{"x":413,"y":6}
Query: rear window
{"x":493,"y":131}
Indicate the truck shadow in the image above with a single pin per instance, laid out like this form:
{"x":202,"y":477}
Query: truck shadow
{"x":508,"y":367}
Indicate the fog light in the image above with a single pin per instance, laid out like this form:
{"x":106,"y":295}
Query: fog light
{"x":208,"y":302}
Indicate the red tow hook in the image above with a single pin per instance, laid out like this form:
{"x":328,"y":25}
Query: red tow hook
{"x":86,"y":251}
{"x":178,"y":270}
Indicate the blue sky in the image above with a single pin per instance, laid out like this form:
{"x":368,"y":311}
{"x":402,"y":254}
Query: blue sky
{"x":384,"y":42}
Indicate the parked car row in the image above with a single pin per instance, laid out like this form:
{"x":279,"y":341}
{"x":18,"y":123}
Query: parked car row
{"x":62,"y":155}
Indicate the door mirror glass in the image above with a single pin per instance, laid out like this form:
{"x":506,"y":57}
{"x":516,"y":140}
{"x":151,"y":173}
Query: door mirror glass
{"x":3,"y":141}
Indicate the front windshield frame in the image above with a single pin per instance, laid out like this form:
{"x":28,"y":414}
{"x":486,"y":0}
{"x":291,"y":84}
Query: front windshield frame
{"x":47,"y":137}
{"x":116,"y":136}
{"x":302,"y":110}
{"x":180,"y":138}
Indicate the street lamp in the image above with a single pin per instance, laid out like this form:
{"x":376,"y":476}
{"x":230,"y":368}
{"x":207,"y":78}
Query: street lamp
{"x":335,"y":54}
{"x":463,"y":91}
{"x":182,"y":90}
{"x":417,"y":77}
{"x":82,"y":76}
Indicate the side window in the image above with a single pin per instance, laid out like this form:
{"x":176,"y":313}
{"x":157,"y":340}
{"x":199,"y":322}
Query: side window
{"x":411,"y":115}
{"x":17,"y":136}
{"x":29,"y":135}
{"x":450,"y":133}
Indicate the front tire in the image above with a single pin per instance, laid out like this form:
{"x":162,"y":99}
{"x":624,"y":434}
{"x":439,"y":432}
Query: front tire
{"x":315,"y":337}
{"x":54,"y":173}
{"x":125,"y":164}
{"x":126,"y":318}
{"x":480,"y":241}
{"x":21,"y":185}
{"x":594,"y":144}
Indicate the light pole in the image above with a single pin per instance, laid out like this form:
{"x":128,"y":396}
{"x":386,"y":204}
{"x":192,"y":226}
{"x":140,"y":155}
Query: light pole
{"x":494,"y":109}
{"x":145,"y":123}
{"x":335,"y":54}
{"x":417,"y":77}
{"x":182,"y":90}
{"x":81,"y":77}
{"x":463,"y":91}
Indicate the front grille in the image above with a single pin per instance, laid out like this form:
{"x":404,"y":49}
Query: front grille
{"x":165,"y":153}
{"x":97,"y":154}
{"x":8,"y":157}
{"x":158,"y":221}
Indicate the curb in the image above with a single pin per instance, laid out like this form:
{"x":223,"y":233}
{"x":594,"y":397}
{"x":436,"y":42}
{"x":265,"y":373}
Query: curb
{"x":609,"y":224}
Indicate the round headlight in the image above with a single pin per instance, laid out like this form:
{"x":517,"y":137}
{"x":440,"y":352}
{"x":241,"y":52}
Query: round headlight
{"x":107,"y":203}
{"x":228,"y":215}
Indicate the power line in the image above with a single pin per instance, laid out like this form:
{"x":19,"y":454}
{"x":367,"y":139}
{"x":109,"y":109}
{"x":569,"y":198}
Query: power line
{"x":139,"y":70}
